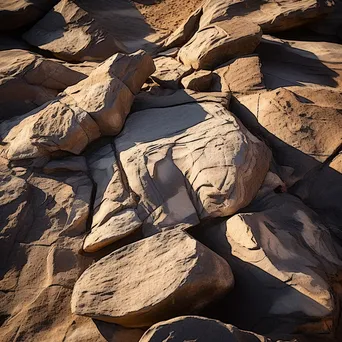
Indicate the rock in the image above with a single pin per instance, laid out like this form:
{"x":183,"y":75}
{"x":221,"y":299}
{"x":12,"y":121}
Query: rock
{"x":18,"y":14}
{"x":302,"y":125}
{"x":215,"y":44}
{"x":97,"y":105}
{"x":169,"y":72}
{"x":172,"y":52}
{"x":300,"y":63}
{"x":72,"y":34}
{"x":240,"y":76}
{"x":195,"y":328}
{"x":154,"y":150}
{"x":198,"y":81}
{"x":271,"y":16}
{"x":66,"y":164}
{"x":185,"y":31}
{"x":286,"y":264}
{"x":116,"y":289}
{"x":28,"y":80}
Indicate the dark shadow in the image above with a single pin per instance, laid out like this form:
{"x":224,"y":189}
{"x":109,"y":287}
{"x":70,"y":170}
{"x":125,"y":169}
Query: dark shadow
{"x":147,"y":2}
{"x":283,"y":65}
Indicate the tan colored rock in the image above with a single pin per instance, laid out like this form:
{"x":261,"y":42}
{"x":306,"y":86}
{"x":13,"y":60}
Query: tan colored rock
{"x":185,"y":31}
{"x":169,"y":72}
{"x":117,"y":289}
{"x":195,"y":328}
{"x":286,"y":264}
{"x":189,"y":162}
{"x":217,"y":43}
{"x":17,"y":14}
{"x":72,"y":34}
{"x":198,"y":81}
{"x":300,"y":63}
{"x":271,"y":16}
{"x":240,"y":76}
{"x":27,"y":80}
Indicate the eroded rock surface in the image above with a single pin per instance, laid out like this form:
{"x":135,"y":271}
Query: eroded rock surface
{"x":120,"y":289}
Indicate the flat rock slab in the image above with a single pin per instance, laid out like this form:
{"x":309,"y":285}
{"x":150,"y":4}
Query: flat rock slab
{"x":272,"y":16}
{"x":200,"y":329}
{"x":217,"y":43}
{"x":28,"y":80}
{"x":153,"y":279}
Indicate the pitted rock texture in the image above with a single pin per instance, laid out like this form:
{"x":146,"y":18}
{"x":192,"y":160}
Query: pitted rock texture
{"x":200,"y":329}
{"x":28,"y":80}
{"x":120,"y":288}
{"x":286,"y":263}
{"x":217,"y":43}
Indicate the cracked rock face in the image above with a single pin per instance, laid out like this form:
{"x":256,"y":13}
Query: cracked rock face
{"x":286,"y":263}
{"x":121,"y":289}
{"x":217,"y":43}
{"x":195,"y":328}
{"x":27,"y":80}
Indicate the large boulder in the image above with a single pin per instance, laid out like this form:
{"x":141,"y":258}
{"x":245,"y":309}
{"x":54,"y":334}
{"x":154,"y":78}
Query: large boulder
{"x":97,"y":105}
{"x":20,"y":13}
{"x":72,"y":34}
{"x":200,"y":329}
{"x":157,"y":278}
{"x":286,"y":263}
{"x":28,"y":80}
{"x":272,"y":16}
{"x":217,"y":43}
{"x":182,"y":164}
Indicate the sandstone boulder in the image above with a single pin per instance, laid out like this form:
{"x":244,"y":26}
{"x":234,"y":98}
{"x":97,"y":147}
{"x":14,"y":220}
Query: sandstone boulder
{"x":28,"y":80}
{"x":120,"y":289}
{"x":240,"y":76}
{"x":271,"y":16}
{"x":17,"y":14}
{"x":189,"y":162}
{"x":286,"y":264}
{"x":200,"y":329}
{"x":72,"y":34}
{"x":215,"y":44}
{"x":198,"y":81}
{"x":169,"y":72}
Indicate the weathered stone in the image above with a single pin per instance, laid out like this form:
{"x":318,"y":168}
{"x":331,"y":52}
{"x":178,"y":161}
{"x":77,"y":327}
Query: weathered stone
{"x":195,"y":328}
{"x":116,"y":288}
{"x":185,"y":31}
{"x":66,"y":164}
{"x":28,"y":80}
{"x":198,"y":81}
{"x":286,"y":264}
{"x":189,"y":162}
{"x":240,"y":76}
{"x":71,"y":34}
{"x":17,"y":14}
{"x":169,"y":72}
{"x":217,"y":43}
{"x":271,"y":16}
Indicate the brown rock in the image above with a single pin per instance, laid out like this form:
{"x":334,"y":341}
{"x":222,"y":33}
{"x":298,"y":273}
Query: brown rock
{"x":28,"y":80}
{"x":116,"y":288}
{"x":198,"y":81}
{"x":201,"y":329}
{"x":217,"y":43}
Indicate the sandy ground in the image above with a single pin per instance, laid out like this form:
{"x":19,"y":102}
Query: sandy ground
{"x":166,"y":14}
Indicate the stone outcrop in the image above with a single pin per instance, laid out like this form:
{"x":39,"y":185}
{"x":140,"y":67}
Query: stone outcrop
{"x":117,"y":289}
{"x":28,"y":80}
{"x":217,"y":43}
{"x":195,"y":328}
{"x":286,"y":263}
{"x":198,"y":81}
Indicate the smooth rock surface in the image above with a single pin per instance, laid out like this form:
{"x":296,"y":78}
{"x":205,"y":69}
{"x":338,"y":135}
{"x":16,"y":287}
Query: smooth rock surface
{"x":120,"y":289}
{"x":200,"y":329}
{"x":198,"y":81}
{"x":217,"y":43}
